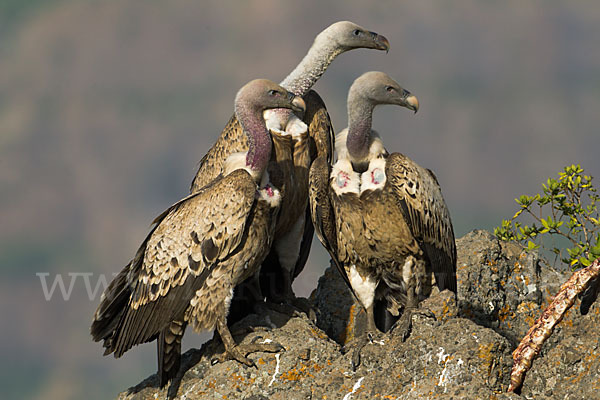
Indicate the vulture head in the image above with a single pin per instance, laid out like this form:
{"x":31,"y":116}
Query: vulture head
{"x":262,"y":94}
{"x":378,"y":88}
{"x":347,"y":35}
{"x":251,"y":101}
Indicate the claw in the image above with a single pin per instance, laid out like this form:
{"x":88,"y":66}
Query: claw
{"x":358,"y":344}
{"x":425,"y":312}
{"x":240,"y":351}
{"x":355,"y":362}
{"x":403,"y":326}
{"x":293,"y":307}
{"x":257,"y":338}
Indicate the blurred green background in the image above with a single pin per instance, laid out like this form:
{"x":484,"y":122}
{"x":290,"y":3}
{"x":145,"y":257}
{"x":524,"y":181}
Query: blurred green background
{"x":107,"y":106}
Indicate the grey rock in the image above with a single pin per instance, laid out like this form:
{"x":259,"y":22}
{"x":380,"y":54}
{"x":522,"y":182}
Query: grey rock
{"x":570,"y":369}
{"x":464,"y":352}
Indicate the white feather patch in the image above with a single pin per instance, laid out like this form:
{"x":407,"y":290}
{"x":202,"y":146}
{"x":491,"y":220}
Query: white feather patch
{"x":340,"y":145}
{"x":228,"y":300}
{"x":236,"y":161}
{"x":268,"y":192}
{"x":343,"y":178}
{"x":376,"y":147}
{"x":296,"y":128}
{"x":373,"y":178}
{"x":363,"y":287}
{"x":274,"y":121}
{"x":407,"y":270}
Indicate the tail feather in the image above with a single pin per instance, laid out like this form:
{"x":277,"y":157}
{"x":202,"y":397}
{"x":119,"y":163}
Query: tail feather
{"x":110,"y":311}
{"x":169,"y":351}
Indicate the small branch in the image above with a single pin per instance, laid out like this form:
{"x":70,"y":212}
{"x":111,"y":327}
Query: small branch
{"x":532,"y":343}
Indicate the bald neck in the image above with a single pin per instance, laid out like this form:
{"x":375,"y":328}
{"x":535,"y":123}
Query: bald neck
{"x":360,"y":120}
{"x":259,"y":140}
{"x":313,"y":65}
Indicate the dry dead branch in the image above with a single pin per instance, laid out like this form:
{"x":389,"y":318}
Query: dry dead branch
{"x":532,"y":343}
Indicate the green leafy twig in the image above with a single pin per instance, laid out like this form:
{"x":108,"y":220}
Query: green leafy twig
{"x":567,"y":208}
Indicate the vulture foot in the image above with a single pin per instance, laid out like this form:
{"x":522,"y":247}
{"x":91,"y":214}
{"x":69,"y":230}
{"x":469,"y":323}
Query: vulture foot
{"x":294,"y":307}
{"x":239,"y":352}
{"x":371,"y":337}
{"x":403,"y":326}
{"x":244,"y":330}
{"x":303,"y":305}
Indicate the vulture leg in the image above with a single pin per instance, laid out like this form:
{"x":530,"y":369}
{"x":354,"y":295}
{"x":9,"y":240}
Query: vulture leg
{"x":248,"y":296}
{"x":371,"y":335}
{"x":239,"y":352}
{"x":283,"y":264}
{"x":403,"y":326}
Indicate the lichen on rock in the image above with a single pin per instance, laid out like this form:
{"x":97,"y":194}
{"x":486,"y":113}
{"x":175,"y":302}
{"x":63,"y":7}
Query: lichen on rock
{"x":465,"y":352}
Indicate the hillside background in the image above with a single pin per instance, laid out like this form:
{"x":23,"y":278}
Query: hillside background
{"x":107,"y":106}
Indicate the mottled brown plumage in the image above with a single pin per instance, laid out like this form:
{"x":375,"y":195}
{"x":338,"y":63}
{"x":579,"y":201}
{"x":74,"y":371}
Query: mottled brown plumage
{"x":200,"y":249}
{"x":294,"y":234}
{"x":292,"y":245}
{"x":381,"y":216}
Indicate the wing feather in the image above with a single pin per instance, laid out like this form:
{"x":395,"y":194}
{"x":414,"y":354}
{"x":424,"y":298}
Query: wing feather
{"x":232,"y":140}
{"x":320,"y":127}
{"x":321,"y":139}
{"x":172,"y":263}
{"x":420,"y":198}
{"x":322,"y":213}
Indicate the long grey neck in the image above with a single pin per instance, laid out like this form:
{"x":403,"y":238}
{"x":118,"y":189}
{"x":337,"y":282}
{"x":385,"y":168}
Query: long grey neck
{"x":259,"y":140}
{"x":360,"y":119}
{"x":312,"y":66}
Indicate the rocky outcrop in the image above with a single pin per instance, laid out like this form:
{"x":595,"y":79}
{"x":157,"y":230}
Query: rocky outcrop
{"x":465,"y":352}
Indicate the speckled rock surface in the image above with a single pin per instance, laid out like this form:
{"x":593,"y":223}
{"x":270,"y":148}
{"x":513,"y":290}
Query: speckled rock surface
{"x":440,"y":359}
{"x":570,"y":368}
{"x":500,"y":286}
{"x":465,"y":352}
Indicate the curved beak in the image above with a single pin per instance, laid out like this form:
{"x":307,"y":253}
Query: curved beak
{"x":412,"y":103}
{"x":380,"y":41}
{"x":298,"y":105}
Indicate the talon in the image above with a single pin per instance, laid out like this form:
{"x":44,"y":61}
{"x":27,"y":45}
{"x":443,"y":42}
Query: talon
{"x":403,"y":326}
{"x":358,"y":344}
{"x":256,"y":339}
{"x":355,"y":362}
{"x":370,"y":337}
{"x":428,"y":314}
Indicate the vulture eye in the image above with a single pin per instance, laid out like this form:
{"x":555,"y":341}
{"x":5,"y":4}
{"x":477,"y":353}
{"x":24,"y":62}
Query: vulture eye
{"x":356,"y":32}
{"x":389,"y":88}
{"x":273,"y":92}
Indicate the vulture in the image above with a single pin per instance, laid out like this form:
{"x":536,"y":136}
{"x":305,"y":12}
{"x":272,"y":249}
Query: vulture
{"x":200,"y":248}
{"x":310,"y":137}
{"x":381,"y":216}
